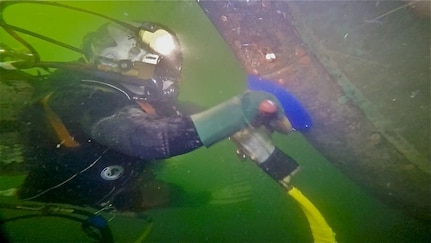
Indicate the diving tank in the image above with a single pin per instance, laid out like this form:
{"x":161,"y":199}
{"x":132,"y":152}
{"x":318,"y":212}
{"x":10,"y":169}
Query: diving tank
{"x":361,"y":69}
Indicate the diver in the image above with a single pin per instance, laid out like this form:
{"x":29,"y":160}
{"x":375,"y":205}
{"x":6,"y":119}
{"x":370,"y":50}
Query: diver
{"x":100,"y":123}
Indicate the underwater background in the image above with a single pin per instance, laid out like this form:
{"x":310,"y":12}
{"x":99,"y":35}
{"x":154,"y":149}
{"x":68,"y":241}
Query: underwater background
{"x":247,"y":205}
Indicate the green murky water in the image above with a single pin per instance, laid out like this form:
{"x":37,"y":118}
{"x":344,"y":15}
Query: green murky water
{"x":211,"y":74}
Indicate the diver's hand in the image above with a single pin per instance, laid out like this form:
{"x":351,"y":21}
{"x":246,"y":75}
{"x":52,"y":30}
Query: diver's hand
{"x":252,"y":108}
{"x":269,"y":114}
{"x":262,"y":108}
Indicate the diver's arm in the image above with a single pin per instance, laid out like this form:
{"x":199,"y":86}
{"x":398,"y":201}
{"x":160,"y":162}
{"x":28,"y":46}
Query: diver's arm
{"x":136,"y":133}
{"x":110,"y":119}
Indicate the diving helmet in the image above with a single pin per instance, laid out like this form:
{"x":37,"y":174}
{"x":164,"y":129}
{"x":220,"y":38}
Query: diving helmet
{"x":148,"y":58}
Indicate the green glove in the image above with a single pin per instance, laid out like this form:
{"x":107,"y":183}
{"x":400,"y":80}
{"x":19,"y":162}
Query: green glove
{"x":232,"y":115}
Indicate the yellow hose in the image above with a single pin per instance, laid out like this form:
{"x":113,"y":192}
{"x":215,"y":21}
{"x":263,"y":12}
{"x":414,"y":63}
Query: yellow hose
{"x":320,"y":229}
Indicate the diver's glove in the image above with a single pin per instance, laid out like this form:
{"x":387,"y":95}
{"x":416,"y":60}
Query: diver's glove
{"x":253,"y":108}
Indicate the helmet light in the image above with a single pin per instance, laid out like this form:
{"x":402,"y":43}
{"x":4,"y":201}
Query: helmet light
{"x":160,"y":41}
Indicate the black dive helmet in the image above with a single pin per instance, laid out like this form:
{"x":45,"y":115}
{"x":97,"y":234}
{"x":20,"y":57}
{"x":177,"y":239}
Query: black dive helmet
{"x":149,"y":60}
{"x":145,"y":58}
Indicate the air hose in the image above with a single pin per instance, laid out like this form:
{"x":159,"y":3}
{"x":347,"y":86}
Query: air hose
{"x":320,"y":229}
{"x":93,"y":225}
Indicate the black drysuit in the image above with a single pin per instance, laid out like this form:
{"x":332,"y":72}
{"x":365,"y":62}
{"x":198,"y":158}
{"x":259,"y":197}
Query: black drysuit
{"x":89,"y":139}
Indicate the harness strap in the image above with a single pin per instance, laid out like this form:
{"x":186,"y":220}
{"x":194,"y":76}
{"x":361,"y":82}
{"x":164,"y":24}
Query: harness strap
{"x":60,"y":130}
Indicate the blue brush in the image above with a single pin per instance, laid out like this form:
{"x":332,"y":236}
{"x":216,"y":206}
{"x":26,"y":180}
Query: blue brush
{"x":294,"y":111}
